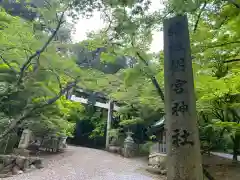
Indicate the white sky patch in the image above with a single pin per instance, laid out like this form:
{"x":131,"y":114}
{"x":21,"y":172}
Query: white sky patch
{"x":84,"y":26}
{"x":95,"y":23}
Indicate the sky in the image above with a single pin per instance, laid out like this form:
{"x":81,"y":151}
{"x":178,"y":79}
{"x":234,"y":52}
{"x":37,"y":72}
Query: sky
{"x":95,"y":23}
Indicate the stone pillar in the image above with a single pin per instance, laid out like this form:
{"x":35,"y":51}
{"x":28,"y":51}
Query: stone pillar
{"x":129,"y":146}
{"x":183,"y":147}
{"x":109,"y":122}
{"x":62,"y":143}
{"x":54,"y":143}
{"x":25,"y":139}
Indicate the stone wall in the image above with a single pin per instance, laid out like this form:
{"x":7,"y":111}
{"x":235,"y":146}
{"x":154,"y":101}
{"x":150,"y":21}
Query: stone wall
{"x":20,"y":161}
{"x":15,"y":164}
{"x":157,"y":163}
{"x":49,"y":144}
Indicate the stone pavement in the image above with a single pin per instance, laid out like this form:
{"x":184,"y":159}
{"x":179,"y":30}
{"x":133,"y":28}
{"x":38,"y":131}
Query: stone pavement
{"x":80,"y":163}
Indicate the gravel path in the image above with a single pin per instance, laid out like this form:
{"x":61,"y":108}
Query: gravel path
{"x":80,"y":163}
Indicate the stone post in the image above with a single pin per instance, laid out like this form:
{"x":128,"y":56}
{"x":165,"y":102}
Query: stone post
{"x":183,"y":147}
{"x":25,"y":139}
{"x":109,"y":122}
{"x":54,"y":144}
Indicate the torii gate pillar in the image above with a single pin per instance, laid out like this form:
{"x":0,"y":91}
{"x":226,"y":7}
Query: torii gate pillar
{"x":109,"y":122}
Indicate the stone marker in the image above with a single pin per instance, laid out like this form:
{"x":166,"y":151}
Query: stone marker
{"x":25,"y":139}
{"x":184,"y":158}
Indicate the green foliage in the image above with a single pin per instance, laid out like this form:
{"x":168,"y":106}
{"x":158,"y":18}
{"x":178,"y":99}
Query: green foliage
{"x":117,"y":137}
{"x":145,"y":148}
{"x":42,"y":80}
{"x":59,"y":119}
{"x":97,"y":118}
{"x":114,"y":133}
{"x":9,"y":143}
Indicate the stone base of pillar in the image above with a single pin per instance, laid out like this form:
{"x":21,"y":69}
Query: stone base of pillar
{"x":128,"y":152}
{"x":21,"y":152}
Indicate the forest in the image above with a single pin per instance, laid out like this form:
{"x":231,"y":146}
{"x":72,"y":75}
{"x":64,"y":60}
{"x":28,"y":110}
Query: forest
{"x":39,"y":63}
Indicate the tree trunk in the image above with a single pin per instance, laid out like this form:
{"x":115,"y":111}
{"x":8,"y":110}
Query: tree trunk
{"x":236,"y":143}
{"x":235,"y":155}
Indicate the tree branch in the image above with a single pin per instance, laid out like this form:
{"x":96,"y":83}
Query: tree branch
{"x":233,"y":2}
{"x":28,"y":113}
{"x":58,"y":79}
{"x":109,"y":19}
{"x":56,"y":75}
{"x":231,"y":60}
{"x":236,"y":117}
{"x":221,"y":45}
{"x":37,"y":64}
{"x":47,"y":5}
{"x":153,"y":78}
{"x":199,"y":16}
{"x":38,"y":53}
{"x":8,"y":64}
{"x":11,"y":48}
{"x":224,"y":21}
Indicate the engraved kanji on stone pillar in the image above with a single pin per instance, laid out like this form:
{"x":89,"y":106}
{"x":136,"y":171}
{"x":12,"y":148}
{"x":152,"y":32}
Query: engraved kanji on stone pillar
{"x":184,"y":158}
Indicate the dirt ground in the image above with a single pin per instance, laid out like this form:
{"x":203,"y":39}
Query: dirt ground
{"x":221,"y":168}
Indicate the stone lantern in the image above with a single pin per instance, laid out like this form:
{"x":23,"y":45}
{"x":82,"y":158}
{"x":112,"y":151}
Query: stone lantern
{"x":129,"y":145}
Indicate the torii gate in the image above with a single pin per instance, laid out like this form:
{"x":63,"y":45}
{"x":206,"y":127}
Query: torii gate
{"x":110,"y":106}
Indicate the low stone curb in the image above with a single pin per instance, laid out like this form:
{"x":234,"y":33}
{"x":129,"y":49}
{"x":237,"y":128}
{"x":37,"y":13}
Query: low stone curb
{"x":16,"y":164}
